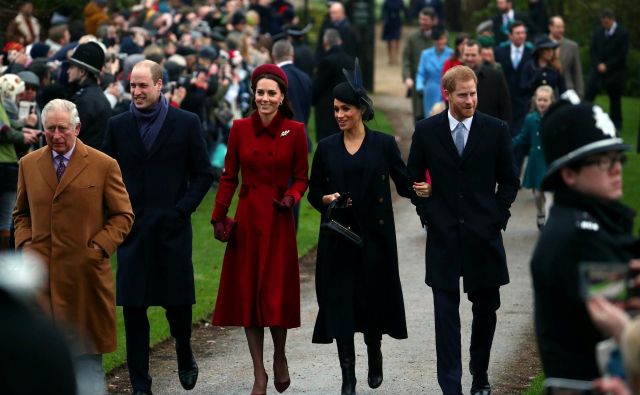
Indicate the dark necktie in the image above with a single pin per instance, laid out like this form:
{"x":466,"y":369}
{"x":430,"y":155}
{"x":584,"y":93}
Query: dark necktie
{"x":61,"y":167}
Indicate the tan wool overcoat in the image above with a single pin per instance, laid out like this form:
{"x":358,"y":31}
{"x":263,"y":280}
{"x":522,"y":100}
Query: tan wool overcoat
{"x":62,"y":220}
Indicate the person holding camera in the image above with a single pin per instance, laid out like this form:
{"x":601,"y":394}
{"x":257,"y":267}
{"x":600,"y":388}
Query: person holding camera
{"x":586,"y":224}
{"x":357,"y":285}
{"x":260,"y":281}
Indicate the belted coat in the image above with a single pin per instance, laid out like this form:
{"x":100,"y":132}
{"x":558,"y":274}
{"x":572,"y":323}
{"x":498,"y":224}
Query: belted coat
{"x":260,"y":282}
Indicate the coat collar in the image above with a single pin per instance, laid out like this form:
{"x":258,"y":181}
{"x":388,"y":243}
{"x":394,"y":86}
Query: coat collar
{"x":76,"y":165}
{"x":273,"y":129}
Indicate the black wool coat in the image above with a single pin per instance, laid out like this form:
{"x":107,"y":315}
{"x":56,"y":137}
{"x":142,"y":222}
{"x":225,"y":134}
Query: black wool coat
{"x":611,"y":51}
{"x":94,"y":110}
{"x":493,"y":93}
{"x":328,"y":74}
{"x":165,"y":186}
{"x":580,"y":229}
{"x":466,"y":211}
{"x":372,"y":280}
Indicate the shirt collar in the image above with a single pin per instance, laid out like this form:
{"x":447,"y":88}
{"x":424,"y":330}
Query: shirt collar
{"x":272,"y":129}
{"x":611,"y":31}
{"x":286,"y":62}
{"x":454,"y":122}
{"x":520,"y":48}
{"x":67,"y":155}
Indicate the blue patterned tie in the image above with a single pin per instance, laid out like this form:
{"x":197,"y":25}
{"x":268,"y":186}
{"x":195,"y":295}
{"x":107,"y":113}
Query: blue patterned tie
{"x":61,"y":167}
{"x":458,"y":137}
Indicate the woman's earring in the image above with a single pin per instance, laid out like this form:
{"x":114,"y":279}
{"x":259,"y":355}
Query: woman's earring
{"x":280,"y":103}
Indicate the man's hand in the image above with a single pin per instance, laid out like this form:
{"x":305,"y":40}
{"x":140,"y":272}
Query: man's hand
{"x":30,"y":136}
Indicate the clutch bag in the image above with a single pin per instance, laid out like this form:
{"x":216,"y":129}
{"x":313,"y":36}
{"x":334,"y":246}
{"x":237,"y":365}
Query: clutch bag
{"x":334,"y":226}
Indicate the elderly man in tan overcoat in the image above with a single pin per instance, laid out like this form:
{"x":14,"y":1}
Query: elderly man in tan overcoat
{"x":73,"y":210}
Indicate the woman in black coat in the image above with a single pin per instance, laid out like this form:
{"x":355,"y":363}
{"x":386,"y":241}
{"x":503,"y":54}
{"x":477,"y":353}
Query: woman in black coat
{"x":358,"y":287}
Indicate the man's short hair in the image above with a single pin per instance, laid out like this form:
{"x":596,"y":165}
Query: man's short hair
{"x":56,"y":33}
{"x":607,"y":14}
{"x":472,"y":43}
{"x":62,"y":105}
{"x":428,"y":11}
{"x":331,"y":37}
{"x":516,"y":23}
{"x":455,"y":74}
{"x":282,"y":50}
{"x":155,"y":68}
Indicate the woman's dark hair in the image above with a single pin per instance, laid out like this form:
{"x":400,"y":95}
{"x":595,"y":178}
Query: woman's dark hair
{"x":285,"y":108}
{"x":437,"y":32}
{"x":460,"y":38}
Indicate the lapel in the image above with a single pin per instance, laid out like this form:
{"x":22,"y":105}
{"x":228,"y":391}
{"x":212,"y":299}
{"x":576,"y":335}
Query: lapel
{"x":369,"y":159}
{"x":45,"y":165}
{"x":444,"y":134}
{"x":165,"y":132}
{"x":336,"y":162}
{"x":474,"y":136}
{"x":134,"y":137}
{"x":76,"y":165}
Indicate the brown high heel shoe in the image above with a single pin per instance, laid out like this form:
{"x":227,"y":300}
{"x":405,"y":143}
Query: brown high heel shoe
{"x":266,"y":378}
{"x":281,"y":386}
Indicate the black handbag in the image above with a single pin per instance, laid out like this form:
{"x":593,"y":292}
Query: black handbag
{"x":333,"y":225}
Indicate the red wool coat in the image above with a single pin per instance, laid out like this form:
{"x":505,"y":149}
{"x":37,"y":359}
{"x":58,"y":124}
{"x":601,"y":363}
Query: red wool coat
{"x":260,"y":282}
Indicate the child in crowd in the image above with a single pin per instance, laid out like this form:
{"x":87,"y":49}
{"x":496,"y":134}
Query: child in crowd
{"x":536,"y":168}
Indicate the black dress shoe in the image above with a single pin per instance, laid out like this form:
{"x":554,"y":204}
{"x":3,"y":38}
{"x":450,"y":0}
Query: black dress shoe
{"x":187,"y":367}
{"x":480,"y":384}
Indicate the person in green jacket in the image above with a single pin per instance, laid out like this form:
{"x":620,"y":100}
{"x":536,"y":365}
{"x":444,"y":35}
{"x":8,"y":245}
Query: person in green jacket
{"x":9,"y":172}
{"x":536,"y":168}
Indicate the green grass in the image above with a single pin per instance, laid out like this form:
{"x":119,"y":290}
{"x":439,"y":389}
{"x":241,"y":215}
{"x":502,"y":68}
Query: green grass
{"x":207,"y":261}
{"x":631,"y":119}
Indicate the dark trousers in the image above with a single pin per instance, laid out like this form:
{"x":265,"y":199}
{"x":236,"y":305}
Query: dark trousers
{"x":615,"y":98}
{"x":447,"y":321}
{"x":136,"y":326}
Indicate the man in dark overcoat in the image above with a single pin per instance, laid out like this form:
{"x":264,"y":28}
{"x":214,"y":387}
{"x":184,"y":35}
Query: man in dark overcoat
{"x":166,"y":170}
{"x":512,"y":58}
{"x":85,"y":64}
{"x":328,"y":74}
{"x":492,"y":90}
{"x":467,"y":154}
{"x":608,"y":51}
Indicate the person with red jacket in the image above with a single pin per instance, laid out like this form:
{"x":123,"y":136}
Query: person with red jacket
{"x":260,"y":284}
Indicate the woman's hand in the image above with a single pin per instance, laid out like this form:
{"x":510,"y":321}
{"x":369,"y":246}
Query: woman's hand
{"x":326,"y":199}
{"x":422,"y":189}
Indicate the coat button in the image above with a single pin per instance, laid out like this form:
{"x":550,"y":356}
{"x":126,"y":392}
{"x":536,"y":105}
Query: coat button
{"x":381,"y":200}
{"x":253,"y":168}
{"x":461,"y":221}
{"x":460,"y":195}
{"x":381,"y":222}
{"x":255,"y":153}
{"x":254,"y":186}
{"x":383,"y":177}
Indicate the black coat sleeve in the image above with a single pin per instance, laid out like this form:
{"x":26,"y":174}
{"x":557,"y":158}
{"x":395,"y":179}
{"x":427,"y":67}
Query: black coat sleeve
{"x":417,"y":164}
{"x":200,"y":168}
{"x":506,"y":177}
{"x":398,"y":170}
{"x":317,"y":181}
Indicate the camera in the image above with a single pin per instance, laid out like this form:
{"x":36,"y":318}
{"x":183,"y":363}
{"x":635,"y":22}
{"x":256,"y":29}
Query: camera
{"x":558,"y":386}
{"x":611,"y":280}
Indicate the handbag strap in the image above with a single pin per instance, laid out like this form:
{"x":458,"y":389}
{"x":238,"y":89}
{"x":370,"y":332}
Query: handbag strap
{"x":329,"y":212}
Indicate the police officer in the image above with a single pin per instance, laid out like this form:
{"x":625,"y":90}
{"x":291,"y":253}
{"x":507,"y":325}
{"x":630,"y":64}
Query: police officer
{"x":94,"y":109}
{"x":587,"y":224}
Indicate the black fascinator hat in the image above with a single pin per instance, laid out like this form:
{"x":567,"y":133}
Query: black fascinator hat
{"x":352,"y":92}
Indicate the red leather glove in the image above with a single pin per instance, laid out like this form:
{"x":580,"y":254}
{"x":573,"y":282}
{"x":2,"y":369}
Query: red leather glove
{"x":285,"y":203}
{"x":219,"y":232}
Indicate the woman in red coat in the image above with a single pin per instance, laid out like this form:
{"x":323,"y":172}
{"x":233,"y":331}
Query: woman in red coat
{"x":260,"y":284}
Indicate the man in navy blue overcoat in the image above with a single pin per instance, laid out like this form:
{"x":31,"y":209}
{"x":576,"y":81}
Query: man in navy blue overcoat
{"x":470,"y":162}
{"x":165,"y":168}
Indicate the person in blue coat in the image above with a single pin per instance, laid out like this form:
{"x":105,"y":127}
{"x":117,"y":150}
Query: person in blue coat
{"x":430,"y":69}
{"x":166,"y":169}
{"x":536,"y":167}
